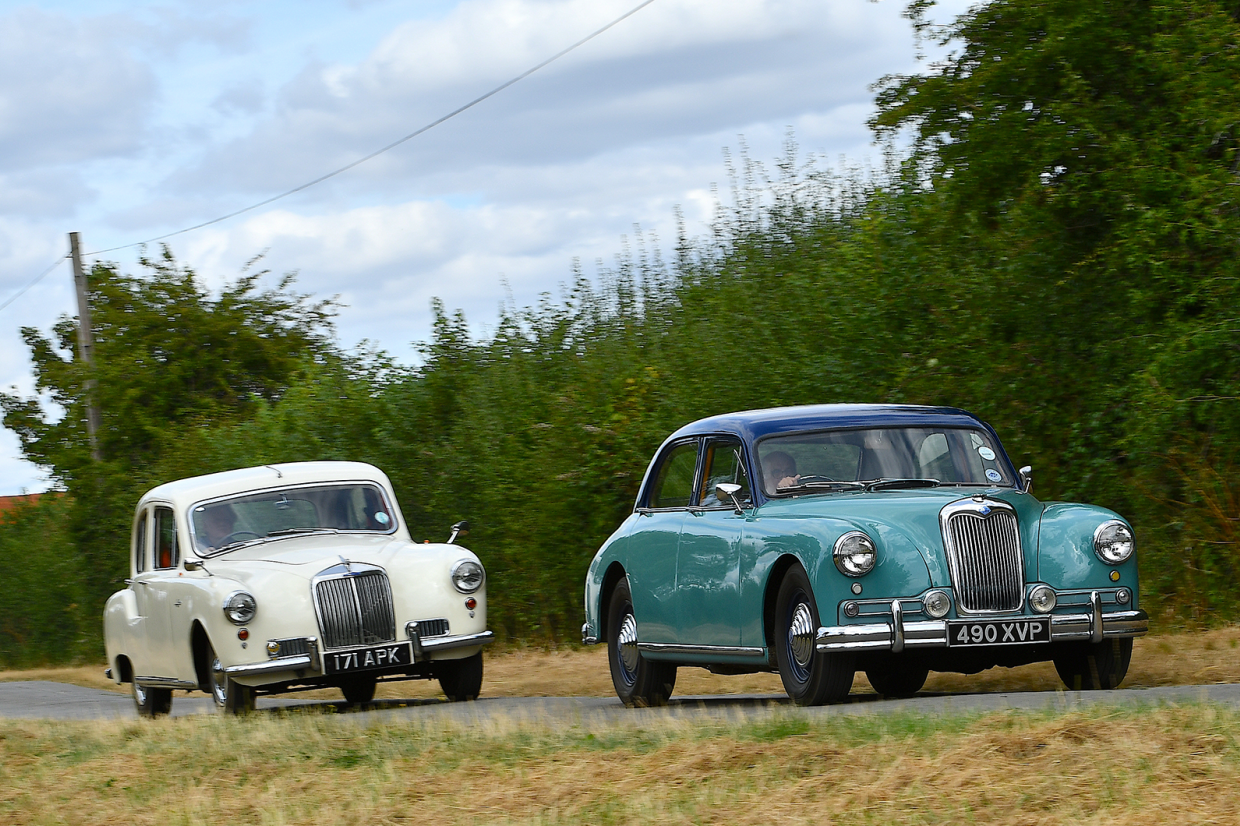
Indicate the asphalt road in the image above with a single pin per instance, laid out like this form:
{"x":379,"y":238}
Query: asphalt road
{"x":58,"y":701}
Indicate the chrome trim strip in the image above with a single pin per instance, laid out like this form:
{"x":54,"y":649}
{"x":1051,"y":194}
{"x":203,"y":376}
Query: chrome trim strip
{"x":272,"y":666}
{"x":881,"y":636}
{"x":448,"y":643}
{"x":676,"y":648}
{"x":164,"y":682}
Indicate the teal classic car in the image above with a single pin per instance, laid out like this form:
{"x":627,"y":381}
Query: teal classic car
{"x":821,"y":540}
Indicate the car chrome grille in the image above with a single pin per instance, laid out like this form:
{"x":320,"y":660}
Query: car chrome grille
{"x":984,"y":557}
{"x":432,"y":627}
{"x":355,"y":610}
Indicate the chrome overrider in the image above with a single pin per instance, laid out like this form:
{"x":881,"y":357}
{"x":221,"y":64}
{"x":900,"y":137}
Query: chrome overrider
{"x":897,"y":635}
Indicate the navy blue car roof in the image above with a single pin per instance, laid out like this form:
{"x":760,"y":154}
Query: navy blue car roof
{"x":754,"y":424}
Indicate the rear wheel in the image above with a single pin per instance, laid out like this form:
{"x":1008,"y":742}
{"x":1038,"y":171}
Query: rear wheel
{"x":1091,"y":666}
{"x":811,"y":678}
{"x":897,"y":679}
{"x":358,"y":690}
{"x":151,"y":702}
{"x":639,"y":682}
{"x":230,"y":696}
{"x":461,"y":679}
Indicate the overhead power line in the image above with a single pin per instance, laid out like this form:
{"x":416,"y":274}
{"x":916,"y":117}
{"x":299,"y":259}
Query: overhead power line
{"x":33,"y":281}
{"x":394,"y":143}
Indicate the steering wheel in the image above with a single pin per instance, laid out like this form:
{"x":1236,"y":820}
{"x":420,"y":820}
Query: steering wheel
{"x":804,"y":479}
{"x":236,"y":535}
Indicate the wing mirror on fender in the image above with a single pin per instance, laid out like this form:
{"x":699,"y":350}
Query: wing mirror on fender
{"x":1026,"y":478}
{"x":459,"y":529}
{"x":726,"y":491}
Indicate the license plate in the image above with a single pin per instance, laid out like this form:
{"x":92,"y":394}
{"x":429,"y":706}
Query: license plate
{"x":999,"y":632}
{"x":364,"y":659}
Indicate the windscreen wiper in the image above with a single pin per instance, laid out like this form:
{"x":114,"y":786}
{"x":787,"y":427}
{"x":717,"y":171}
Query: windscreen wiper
{"x":291,"y":531}
{"x":886,"y":484}
{"x":820,"y":484}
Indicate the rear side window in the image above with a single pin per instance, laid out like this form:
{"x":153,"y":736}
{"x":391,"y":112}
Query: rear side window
{"x":166,"y":550}
{"x":673,"y":483}
{"x":139,"y":544}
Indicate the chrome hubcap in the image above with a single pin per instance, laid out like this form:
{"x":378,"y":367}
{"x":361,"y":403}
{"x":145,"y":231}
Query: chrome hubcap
{"x":626,"y":641}
{"x":801,"y":635}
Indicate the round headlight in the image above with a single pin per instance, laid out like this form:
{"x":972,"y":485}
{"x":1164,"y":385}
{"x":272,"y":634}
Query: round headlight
{"x":467,"y":576}
{"x":1113,"y":542}
{"x":240,"y":607}
{"x":855,"y":554}
{"x":1042,"y":599}
{"x":937,"y":604}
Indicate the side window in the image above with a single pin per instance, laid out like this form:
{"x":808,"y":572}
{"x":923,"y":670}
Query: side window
{"x":723,"y":463}
{"x":673,"y":484}
{"x":139,"y":544}
{"x":166,"y":550}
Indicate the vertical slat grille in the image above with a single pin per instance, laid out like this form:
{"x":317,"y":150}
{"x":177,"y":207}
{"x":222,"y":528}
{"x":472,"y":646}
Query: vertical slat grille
{"x":987,"y":565}
{"x":356,"y":610}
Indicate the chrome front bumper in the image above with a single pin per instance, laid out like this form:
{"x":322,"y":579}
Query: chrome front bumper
{"x":897,"y":636}
{"x":422,"y":648}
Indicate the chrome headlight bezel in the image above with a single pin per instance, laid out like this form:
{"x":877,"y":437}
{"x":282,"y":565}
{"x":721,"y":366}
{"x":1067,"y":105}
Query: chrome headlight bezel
{"x":1114,"y":542}
{"x":855,"y":554}
{"x":1043,"y":599}
{"x":937,"y":603}
{"x":465,"y":578}
{"x":240,"y":607}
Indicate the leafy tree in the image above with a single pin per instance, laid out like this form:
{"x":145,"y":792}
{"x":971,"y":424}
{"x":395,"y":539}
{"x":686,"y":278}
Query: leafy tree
{"x":169,"y":358}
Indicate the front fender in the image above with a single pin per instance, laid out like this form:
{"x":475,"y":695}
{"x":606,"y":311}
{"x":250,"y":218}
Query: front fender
{"x":1066,"y":558}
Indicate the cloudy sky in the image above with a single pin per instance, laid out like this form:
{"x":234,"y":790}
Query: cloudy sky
{"x":124,"y":120}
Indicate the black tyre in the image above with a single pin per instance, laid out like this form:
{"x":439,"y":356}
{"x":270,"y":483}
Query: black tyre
{"x":230,"y":696}
{"x":897,"y":679}
{"x":461,"y":679}
{"x":810,"y":678}
{"x":358,"y":690}
{"x":1089,"y":666}
{"x":151,"y":702}
{"x":639,"y":682}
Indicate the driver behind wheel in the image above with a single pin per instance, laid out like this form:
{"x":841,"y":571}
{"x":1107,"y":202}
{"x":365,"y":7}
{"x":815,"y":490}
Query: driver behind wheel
{"x":217,"y":524}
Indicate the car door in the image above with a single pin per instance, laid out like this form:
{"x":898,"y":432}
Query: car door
{"x":153,"y":651}
{"x":651,"y":558}
{"x":708,"y":554}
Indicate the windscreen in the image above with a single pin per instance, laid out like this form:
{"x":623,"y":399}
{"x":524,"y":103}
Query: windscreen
{"x":951,"y":456}
{"x":224,"y":523}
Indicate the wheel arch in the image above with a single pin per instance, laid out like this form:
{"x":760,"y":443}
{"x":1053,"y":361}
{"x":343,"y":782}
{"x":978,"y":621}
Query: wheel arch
{"x":124,"y":669}
{"x":776,"y":576}
{"x":615,"y":573}
{"x":200,"y":644}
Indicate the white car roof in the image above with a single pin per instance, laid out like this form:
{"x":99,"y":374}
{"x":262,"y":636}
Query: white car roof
{"x":185,"y":492}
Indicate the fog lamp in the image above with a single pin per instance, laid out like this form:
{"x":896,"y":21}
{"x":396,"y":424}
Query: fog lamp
{"x":851,"y":609}
{"x":273,"y":647}
{"x":1122,"y":596}
{"x":937,"y":604}
{"x":1043,"y":599}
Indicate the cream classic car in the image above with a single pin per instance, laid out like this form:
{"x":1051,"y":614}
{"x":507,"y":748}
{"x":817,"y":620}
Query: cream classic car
{"x":285,"y":577}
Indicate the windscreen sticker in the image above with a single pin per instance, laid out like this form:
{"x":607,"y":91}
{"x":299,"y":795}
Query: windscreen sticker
{"x":993,"y":475}
{"x":381,"y":518}
{"x":986,"y":453}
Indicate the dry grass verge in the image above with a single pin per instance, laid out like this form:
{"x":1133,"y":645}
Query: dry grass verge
{"x":1145,"y":765}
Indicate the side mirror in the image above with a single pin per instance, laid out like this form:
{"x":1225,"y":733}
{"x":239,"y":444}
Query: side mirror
{"x":726,"y":491}
{"x":193,"y":565}
{"x":459,"y":529}
{"x":1026,"y":478}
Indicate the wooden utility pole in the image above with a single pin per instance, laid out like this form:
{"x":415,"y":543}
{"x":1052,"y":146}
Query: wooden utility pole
{"x":86,"y":347}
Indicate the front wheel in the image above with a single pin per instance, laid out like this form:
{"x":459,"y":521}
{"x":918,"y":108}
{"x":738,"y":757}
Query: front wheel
{"x":639,"y":682}
{"x":810,"y":678}
{"x":1092,"y":666}
{"x":151,"y":702}
{"x":461,"y":679}
{"x":230,"y":696}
